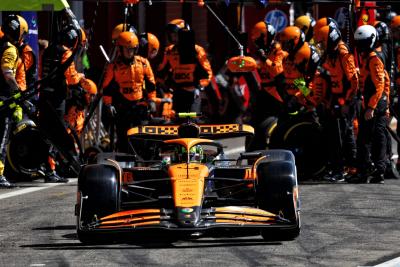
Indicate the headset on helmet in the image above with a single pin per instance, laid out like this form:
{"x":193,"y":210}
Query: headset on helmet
{"x":15,"y":28}
{"x":328,"y":38}
{"x":306,"y":24}
{"x":177,"y":24}
{"x":324,"y":22}
{"x":123,"y":27}
{"x":262,"y":34}
{"x":365,"y":38}
{"x":291,"y":39}
{"x":149,"y":45}
{"x":383,"y":31}
{"x":69,"y":36}
{"x":174,"y":27}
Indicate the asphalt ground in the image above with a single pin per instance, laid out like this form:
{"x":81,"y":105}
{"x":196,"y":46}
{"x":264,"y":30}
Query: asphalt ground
{"x":342,"y":225}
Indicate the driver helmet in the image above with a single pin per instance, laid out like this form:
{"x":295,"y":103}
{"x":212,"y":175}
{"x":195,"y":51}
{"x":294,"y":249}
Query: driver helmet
{"x":196,"y":154}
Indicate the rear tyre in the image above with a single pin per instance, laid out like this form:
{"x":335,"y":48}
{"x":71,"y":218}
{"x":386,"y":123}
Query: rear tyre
{"x":277,"y":193}
{"x":305,"y":140}
{"x":98,"y":185}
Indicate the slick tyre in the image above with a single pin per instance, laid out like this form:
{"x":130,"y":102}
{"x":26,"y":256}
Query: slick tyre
{"x":98,"y":187}
{"x":305,"y":140}
{"x":277,"y":193}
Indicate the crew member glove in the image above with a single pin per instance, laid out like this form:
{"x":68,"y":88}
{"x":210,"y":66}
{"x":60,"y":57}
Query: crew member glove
{"x":301,"y":85}
{"x":112,"y":112}
{"x":369,"y":114}
{"x":196,"y":93}
{"x":17,"y":114}
{"x":166,"y":100}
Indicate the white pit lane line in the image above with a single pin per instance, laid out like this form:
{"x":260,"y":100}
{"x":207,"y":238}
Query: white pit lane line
{"x":392,"y":263}
{"x":33,"y":189}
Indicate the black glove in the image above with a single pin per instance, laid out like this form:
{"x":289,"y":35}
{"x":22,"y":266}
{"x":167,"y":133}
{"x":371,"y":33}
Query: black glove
{"x":261,"y":54}
{"x":111,"y":111}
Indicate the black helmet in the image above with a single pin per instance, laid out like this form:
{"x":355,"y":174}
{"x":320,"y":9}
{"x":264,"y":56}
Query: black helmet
{"x":14,"y":28}
{"x":69,"y":36}
{"x":383,"y":31}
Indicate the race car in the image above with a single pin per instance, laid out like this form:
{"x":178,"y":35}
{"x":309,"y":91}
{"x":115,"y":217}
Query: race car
{"x":190,"y":188}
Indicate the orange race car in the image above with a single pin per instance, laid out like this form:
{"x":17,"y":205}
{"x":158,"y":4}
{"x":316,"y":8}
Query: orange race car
{"x":191,"y":188}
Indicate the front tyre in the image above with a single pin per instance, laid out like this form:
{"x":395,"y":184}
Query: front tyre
{"x":277,"y":192}
{"x":98,"y":196}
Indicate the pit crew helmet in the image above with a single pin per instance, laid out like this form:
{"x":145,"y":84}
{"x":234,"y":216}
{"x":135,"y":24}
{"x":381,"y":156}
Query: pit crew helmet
{"x":173,"y":27}
{"x":14,"y":28}
{"x":291,"y":38}
{"x":383,"y":31}
{"x":263,"y":34}
{"x":306,"y":24}
{"x":123,"y":27}
{"x":324,"y":22}
{"x":327,"y":38}
{"x":148,"y":45}
{"x":365,"y":38}
{"x":128,"y":40}
{"x":69,"y":36}
{"x":177,"y":24}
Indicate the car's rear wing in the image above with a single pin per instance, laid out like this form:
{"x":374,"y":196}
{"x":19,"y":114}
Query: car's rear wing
{"x":209,"y":131}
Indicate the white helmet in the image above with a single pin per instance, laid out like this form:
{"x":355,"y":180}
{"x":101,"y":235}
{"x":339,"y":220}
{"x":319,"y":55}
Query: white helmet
{"x":365,"y":38}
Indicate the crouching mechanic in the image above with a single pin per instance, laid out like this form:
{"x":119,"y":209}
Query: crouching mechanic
{"x":127,"y":83}
{"x":79,"y":99}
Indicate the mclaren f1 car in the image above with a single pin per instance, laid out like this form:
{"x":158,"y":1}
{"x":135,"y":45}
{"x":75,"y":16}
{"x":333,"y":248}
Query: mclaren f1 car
{"x":190,"y":188}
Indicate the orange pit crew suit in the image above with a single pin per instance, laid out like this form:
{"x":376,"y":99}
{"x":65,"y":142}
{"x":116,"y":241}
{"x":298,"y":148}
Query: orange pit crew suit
{"x":299,"y":68}
{"x":79,"y":98}
{"x":126,"y":87}
{"x":371,"y":139}
{"x":28,"y":59}
{"x":188,"y":71}
{"x":339,"y":86}
{"x":269,"y":66}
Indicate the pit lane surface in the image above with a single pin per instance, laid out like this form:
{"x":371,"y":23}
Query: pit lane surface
{"x":342,"y":225}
